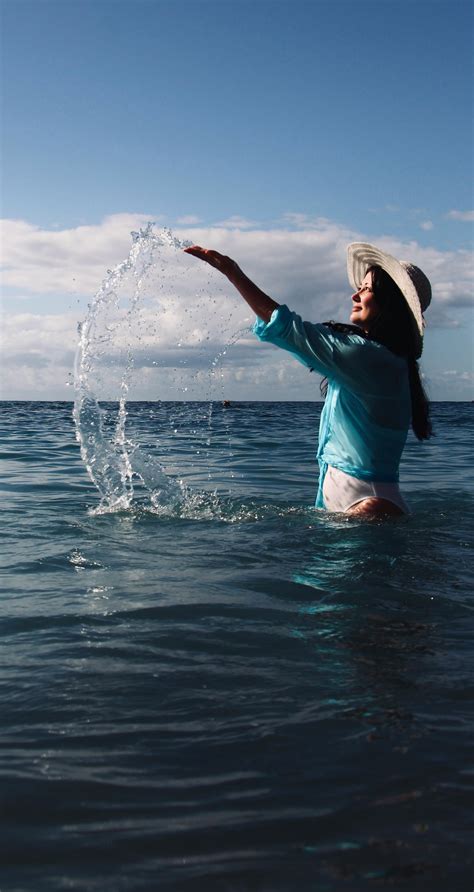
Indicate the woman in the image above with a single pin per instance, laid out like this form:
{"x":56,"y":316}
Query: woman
{"x":372,"y":387}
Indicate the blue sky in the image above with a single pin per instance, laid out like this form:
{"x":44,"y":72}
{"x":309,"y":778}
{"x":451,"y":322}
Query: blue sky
{"x":270,"y":114}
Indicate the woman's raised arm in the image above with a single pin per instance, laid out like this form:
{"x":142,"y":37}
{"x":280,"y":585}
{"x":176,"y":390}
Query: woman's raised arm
{"x":258,"y":301}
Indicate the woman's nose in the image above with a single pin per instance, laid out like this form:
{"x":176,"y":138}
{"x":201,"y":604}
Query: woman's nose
{"x":355,"y":296}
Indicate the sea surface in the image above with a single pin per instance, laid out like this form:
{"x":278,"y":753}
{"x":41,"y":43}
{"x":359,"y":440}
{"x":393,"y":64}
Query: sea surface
{"x":229,"y":690}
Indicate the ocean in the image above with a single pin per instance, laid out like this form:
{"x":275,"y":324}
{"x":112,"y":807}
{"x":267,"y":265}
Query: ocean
{"x":215,"y":686}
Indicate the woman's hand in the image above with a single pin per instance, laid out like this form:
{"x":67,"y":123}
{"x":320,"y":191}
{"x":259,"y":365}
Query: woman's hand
{"x":260,"y":303}
{"x":221,"y":262}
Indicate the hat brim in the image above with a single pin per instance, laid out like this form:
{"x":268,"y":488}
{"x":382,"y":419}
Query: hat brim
{"x":360,"y":256}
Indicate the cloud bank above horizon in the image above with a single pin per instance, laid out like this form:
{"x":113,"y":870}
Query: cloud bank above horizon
{"x":299,"y":261}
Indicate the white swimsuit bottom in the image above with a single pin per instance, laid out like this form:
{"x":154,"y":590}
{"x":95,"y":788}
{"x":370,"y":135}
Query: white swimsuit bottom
{"x":341,"y":491}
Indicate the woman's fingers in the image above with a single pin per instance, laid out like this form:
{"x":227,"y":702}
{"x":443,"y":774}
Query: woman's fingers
{"x":219,"y":261}
{"x":197,"y":251}
{"x":202,"y":254}
{"x":205,"y":253}
{"x":194,"y":249}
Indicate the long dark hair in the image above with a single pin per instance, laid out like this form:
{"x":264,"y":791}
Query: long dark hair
{"x":394,"y":328}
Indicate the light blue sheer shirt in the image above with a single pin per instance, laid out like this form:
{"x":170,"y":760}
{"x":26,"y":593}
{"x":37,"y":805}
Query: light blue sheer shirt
{"x":367,"y":411}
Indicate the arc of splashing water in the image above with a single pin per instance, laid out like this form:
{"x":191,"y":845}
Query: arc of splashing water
{"x":112,"y":463}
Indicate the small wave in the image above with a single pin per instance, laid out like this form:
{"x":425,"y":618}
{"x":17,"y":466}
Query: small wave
{"x":209,"y":506}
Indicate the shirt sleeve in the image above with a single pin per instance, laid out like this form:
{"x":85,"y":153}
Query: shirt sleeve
{"x":316,"y":346}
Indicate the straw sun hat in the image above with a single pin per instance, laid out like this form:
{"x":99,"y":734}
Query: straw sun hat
{"x":410,"y":279}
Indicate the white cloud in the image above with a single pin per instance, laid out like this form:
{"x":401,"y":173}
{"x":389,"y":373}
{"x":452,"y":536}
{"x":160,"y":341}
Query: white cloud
{"x":305,"y":221}
{"x":452,"y":384}
{"x":66,"y":261}
{"x":427,"y":225}
{"x":463,"y":216}
{"x":437,"y":317}
{"x":237,"y":222}
{"x":48,"y":340}
{"x":454,"y":373}
{"x":189,"y":220}
{"x":302,"y":265}
{"x":37,"y":356}
{"x":305,"y":260}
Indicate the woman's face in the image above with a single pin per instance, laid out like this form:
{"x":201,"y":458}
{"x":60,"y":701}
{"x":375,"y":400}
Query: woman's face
{"x":364,"y":306}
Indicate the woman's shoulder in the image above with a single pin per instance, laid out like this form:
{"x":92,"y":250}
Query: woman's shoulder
{"x":341,"y":332}
{"x":352,"y":334}
{"x":342,"y":335}
{"x":344,"y":328}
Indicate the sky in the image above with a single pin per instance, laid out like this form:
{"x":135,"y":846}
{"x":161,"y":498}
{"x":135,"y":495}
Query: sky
{"x":277,"y":131}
